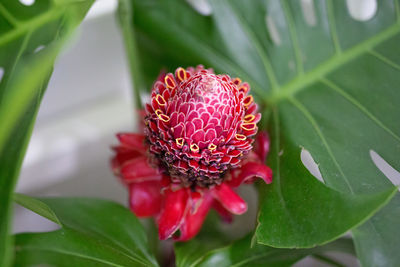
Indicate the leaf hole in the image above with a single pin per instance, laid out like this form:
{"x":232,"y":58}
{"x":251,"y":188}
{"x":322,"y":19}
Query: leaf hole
{"x":308,"y":9}
{"x":201,"y":6}
{"x":27,"y":2}
{"x":37,"y":49}
{"x":310,"y":164}
{"x":391,"y":173}
{"x":362,"y":10}
{"x":1,"y":73}
{"x":273,"y":30}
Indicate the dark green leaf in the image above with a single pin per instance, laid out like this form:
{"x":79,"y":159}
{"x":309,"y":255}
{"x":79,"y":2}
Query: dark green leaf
{"x":302,"y":211}
{"x":94,"y":233}
{"x":24,"y":30}
{"x":210,"y":237}
{"x":243,"y":253}
{"x":335,"y":86}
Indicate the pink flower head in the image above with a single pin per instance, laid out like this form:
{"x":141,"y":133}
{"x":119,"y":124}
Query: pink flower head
{"x":196,"y":148}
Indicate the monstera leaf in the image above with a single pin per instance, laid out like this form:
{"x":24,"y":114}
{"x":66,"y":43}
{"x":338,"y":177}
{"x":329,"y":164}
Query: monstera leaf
{"x":30,"y":38}
{"x":329,"y":85}
{"x":87,"y":237}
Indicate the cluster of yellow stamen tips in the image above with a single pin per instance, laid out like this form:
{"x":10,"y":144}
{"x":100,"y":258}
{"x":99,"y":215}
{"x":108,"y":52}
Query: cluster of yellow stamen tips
{"x":181,"y":75}
{"x":162,"y":116}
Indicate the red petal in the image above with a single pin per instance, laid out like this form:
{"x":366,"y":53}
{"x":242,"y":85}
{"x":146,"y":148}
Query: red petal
{"x":172,"y":213}
{"x":192,"y":223}
{"x":139,"y":170}
{"x":250,"y":171}
{"x":123,"y":154}
{"x":145,"y":198}
{"x":229,"y":199}
{"x":132,"y":140}
{"x":261,"y":146}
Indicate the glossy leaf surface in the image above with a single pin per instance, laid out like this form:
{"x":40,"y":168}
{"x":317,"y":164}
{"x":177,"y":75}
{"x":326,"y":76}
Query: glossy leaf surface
{"x":243,"y":253}
{"x":94,"y":232}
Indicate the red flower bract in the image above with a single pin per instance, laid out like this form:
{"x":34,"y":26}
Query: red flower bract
{"x":196,"y":148}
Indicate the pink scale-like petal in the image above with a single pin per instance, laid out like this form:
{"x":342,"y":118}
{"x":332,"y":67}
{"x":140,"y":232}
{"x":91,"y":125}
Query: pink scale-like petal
{"x":173,"y":119}
{"x":210,"y":134}
{"x":139,"y":170}
{"x":184,"y":108}
{"x":230,"y":135}
{"x":251,"y":109}
{"x":198,"y":136}
{"x":226,"y":160}
{"x":178,"y":130}
{"x":149,"y":108}
{"x":251,"y":171}
{"x":145,"y":198}
{"x":213,"y":121}
{"x":218,"y":130}
{"x":235,"y":161}
{"x":205,"y":117}
{"x":166,"y":94}
{"x":234,"y":153}
{"x":257,"y":118}
{"x":210,"y":110}
{"x":189,"y":129}
{"x":181,"y":117}
{"x":172,"y":213}
{"x":192,"y":115}
{"x":194,"y":164}
{"x":192,"y":223}
{"x":229,"y":199}
{"x":203,"y":144}
{"x":198,"y":124}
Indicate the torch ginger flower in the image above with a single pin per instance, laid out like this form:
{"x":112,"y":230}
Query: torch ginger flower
{"x":196,"y":149}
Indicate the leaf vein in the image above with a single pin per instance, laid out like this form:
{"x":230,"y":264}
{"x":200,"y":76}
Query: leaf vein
{"x":384,"y":59}
{"x":78,"y":255}
{"x":256,"y":43}
{"x":317,"y":129}
{"x":293,"y":36}
{"x":332,"y":27}
{"x":10,"y":18}
{"x":357,"y":104}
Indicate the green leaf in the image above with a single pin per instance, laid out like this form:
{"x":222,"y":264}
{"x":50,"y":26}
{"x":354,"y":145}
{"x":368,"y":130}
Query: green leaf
{"x":334,"y":87}
{"x":210,"y":237}
{"x":36,"y":206}
{"x":125,"y":17}
{"x":243,"y":253}
{"x":94,"y":233}
{"x":25,"y":71}
{"x":291,"y":208}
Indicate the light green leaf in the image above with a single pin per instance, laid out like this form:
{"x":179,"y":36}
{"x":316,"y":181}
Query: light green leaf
{"x":94,"y":233}
{"x":36,"y":206}
{"x":334,"y":86}
{"x":30,"y":39}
